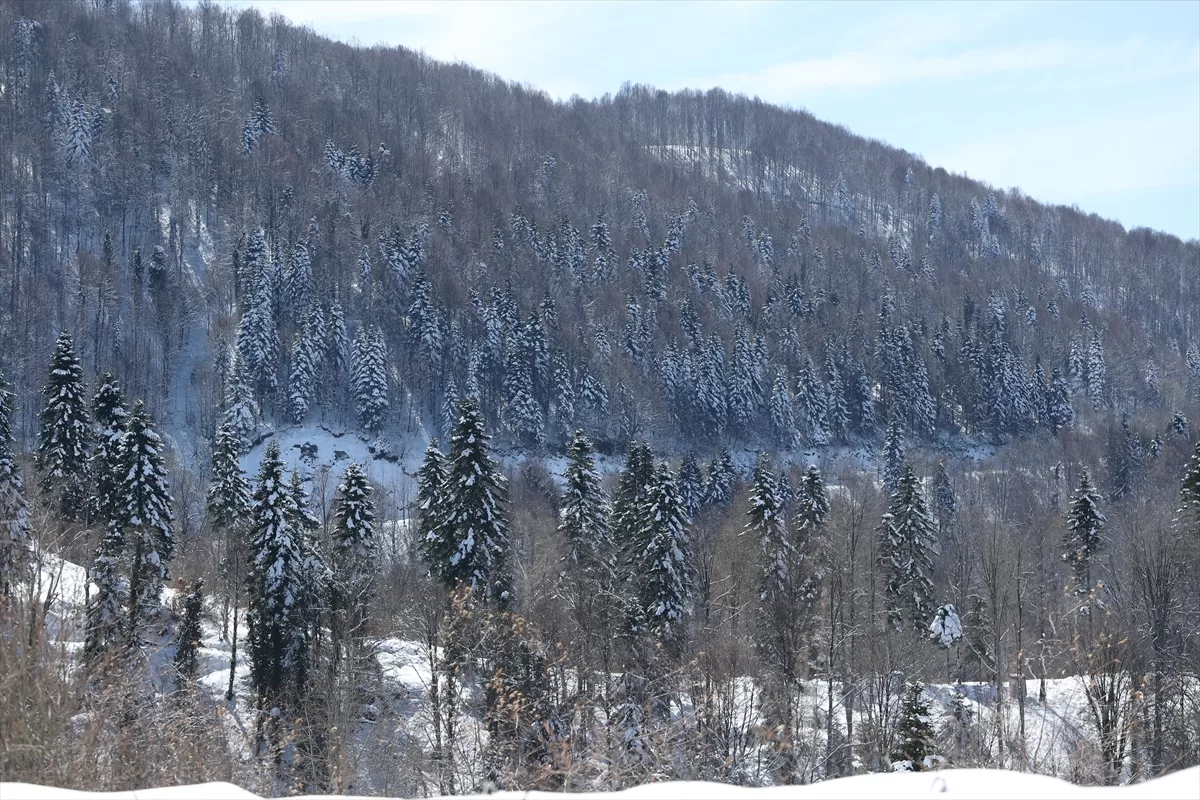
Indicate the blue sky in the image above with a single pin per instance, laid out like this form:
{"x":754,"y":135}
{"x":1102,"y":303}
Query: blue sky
{"x":1088,"y":104}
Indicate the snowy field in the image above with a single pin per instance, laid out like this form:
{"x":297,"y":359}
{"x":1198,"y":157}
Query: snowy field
{"x":982,"y":784}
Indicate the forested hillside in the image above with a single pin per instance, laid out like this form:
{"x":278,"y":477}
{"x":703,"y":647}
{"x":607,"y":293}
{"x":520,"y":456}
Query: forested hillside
{"x":875,"y":425}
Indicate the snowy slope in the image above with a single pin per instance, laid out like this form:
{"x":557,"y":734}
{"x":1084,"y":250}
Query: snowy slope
{"x":979,"y":784}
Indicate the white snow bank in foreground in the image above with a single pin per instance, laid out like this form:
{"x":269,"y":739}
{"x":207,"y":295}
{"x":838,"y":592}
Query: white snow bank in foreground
{"x":978,"y":784}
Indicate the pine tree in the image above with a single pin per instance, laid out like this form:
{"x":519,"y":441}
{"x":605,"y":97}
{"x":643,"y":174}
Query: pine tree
{"x":14,"y":506}
{"x":664,"y":579}
{"x":908,"y":539}
{"x":583,"y":518}
{"x":720,"y":480}
{"x":105,"y":622}
{"x":768,"y":524}
{"x":1083,"y":540}
{"x":691,"y":485}
{"x":629,"y":506}
{"x":893,"y":458}
{"x":241,"y":410}
{"x":370,"y":378}
{"x":64,"y":433}
{"x":914,"y":731}
{"x":144,"y":515}
{"x":810,"y":398}
{"x":473,"y":499}
{"x":187,"y":639}
{"x":278,"y":642}
{"x":228,"y":500}
{"x":110,"y":416}
{"x":782,"y":417}
{"x":945,"y":503}
{"x":305,"y":366}
{"x":433,"y":537}
{"x":1097,"y":373}
{"x":1189,"y":497}
{"x":355,"y":553}
{"x":1059,"y":413}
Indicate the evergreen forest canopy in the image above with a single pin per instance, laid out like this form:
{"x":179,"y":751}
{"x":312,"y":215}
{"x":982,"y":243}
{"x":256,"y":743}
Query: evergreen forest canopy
{"x":879,"y":426}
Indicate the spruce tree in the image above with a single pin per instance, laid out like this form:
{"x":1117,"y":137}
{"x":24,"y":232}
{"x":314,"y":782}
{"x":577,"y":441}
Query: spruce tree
{"x":64,"y":433}
{"x":662,"y":571}
{"x":768,"y":524}
{"x":14,"y":506}
{"x":187,"y":639}
{"x":1082,"y":539}
{"x":473,"y":500}
{"x":720,"y":481}
{"x":354,"y":554}
{"x":1189,"y":497}
{"x":914,"y":731}
{"x":240,"y":413}
{"x":629,"y":506}
{"x":782,"y":417}
{"x":691,"y":485}
{"x":893,"y":458}
{"x":105,"y":620}
{"x":583,"y":518}
{"x":143,"y":514}
{"x":1059,"y":413}
{"x":278,"y":640}
{"x":908,"y":539}
{"x":945,"y":503}
{"x":228,"y":498}
{"x":433,"y":537}
{"x":110,"y":417}
{"x":369,"y":378}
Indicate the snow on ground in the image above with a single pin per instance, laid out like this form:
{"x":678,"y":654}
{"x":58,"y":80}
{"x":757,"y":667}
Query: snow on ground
{"x":978,"y":784}
{"x":318,"y":451}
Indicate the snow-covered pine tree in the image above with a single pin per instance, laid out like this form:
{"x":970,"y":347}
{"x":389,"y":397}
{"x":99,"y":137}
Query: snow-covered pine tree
{"x":473,"y":499}
{"x":312,"y":603}
{"x":241,"y":410}
{"x":14,"y":506}
{"x":583,"y":515}
{"x":228,"y":499}
{"x":1059,"y":413}
{"x":143,"y":514}
{"x":893,"y":457}
{"x":1083,"y":541}
{"x":187,"y":638}
{"x":1189,"y":498}
{"x":369,"y":378}
{"x":354,"y":555}
{"x":1097,"y":373}
{"x":433,"y":538}
{"x":64,"y":432}
{"x":914,"y":731}
{"x":768,"y":524}
{"x":110,"y":417}
{"x":691,"y":485}
{"x":813,"y":420}
{"x":105,"y":620}
{"x":278,"y":641}
{"x":812,"y":507}
{"x":783,"y":419}
{"x":629,"y":506}
{"x":945,"y":503}
{"x":305,"y":367}
{"x":720,"y":480}
{"x":663,"y":574}
{"x":908,"y":539}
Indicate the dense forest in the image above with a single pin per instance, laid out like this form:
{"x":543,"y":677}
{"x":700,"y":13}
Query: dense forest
{"x":693,"y":437}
